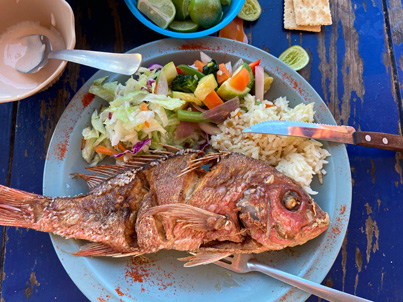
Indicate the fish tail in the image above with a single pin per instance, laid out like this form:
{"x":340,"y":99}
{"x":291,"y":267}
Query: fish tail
{"x":15,"y":207}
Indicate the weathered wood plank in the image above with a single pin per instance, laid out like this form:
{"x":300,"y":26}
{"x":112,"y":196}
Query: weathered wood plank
{"x":351,"y":68}
{"x":393,"y":10}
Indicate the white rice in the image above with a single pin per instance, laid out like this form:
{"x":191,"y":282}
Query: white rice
{"x":298,"y":158}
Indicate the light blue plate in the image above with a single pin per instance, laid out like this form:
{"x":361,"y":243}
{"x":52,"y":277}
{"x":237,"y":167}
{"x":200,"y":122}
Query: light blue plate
{"x":230,"y":12}
{"x":163,"y":278}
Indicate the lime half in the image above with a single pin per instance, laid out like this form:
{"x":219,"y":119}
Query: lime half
{"x":296,"y":57}
{"x":250,"y":11}
{"x":182,"y":9}
{"x":186,"y":26}
{"x":205,"y":13}
{"x":161,"y":12}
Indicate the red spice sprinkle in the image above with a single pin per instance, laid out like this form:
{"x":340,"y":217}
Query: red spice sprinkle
{"x":87,"y":99}
{"x":61,"y":148}
{"x":336,"y":230}
{"x":193,"y":46}
{"x":138,"y":270}
{"x":118,"y":291}
{"x":342,"y":209}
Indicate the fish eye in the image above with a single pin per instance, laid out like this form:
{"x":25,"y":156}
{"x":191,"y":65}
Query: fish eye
{"x":291,"y":201}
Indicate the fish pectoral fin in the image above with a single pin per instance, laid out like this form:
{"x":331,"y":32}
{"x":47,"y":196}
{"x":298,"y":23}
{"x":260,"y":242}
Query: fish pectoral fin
{"x":101,"y":249}
{"x":203,"y":258}
{"x":190,"y":216}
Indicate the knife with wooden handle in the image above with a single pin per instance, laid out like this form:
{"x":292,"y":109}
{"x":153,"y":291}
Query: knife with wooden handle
{"x":340,"y":134}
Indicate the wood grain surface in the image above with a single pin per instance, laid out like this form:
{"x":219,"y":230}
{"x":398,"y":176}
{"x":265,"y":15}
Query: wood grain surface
{"x":356,"y":66}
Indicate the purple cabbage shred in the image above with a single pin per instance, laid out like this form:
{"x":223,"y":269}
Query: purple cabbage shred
{"x":136,"y":148}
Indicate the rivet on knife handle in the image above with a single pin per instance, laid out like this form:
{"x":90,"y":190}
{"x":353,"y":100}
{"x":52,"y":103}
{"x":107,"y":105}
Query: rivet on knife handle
{"x":379,"y":140}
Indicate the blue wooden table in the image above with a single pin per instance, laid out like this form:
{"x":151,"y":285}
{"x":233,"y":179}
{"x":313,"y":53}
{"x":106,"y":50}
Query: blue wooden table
{"x":357,"y":68}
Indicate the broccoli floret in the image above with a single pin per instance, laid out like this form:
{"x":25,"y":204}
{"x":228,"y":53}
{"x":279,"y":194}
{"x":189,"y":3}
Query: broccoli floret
{"x":184,"y":83}
{"x":211,"y":68}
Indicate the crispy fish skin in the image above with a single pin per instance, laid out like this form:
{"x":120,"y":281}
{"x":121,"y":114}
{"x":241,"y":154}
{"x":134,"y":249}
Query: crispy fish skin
{"x":240,"y":205}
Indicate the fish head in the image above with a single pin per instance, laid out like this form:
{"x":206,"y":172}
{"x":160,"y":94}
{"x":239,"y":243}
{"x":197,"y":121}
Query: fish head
{"x":278,"y":213}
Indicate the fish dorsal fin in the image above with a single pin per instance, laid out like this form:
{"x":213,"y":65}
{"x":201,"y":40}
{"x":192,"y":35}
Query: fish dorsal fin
{"x":200,"y":161}
{"x":105,"y":172}
{"x":101,"y":249}
{"x":190,"y":216}
{"x":91,"y":180}
{"x":203,"y":258}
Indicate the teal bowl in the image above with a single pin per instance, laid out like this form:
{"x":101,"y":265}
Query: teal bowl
{"x":230,"y":12}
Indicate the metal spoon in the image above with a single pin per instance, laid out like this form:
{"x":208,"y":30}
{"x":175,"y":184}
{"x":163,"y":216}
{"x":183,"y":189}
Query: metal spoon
{"x":114,"y":62}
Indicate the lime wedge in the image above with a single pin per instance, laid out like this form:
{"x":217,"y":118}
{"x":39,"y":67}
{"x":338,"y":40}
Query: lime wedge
{"x":161,"y":12}
{"x":296,"y":57}
{"x":186,"y":26}
{"x":250,"y":11}
{"x":182,"y":11}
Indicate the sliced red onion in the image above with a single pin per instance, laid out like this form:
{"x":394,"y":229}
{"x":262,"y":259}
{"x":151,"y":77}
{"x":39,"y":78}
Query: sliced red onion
{"x":136,"y":148}
{"x":185,"y":129}
{"x":149,"y":85}
{"x":220,"y":113}
{"x":229,"y":67}
{"x":209,"y":128}
{"x":204,"y":58}
{"x":198,"y":108}
{"x":237,"y":65}
{"x":154,"y":66}
{"x":162,"y":85}
{"x":259,"y":83}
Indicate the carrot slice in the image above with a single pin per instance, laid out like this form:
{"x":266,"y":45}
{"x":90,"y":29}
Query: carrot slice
{"x":223,"y":75}
{"x":212,"y":100}
{"x":199,"y":65}
{"x":147,"y":124}
{"x":254,"y":64}
{"x":105,"y":150}
{"x":121,"y":147}
{"x":143,"y":107}
{"x":240,"y":80}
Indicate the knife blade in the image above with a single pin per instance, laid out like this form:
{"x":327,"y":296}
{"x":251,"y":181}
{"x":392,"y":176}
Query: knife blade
{"x":340,"y":134}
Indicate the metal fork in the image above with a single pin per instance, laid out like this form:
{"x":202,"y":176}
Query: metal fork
{"x":245,"y":263}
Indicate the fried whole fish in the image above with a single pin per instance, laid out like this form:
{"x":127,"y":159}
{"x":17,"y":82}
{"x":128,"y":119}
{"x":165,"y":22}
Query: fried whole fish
{"x":167,"y":201}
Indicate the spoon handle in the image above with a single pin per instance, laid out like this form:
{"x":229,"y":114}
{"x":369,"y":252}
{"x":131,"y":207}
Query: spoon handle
{"x":114,"y":62}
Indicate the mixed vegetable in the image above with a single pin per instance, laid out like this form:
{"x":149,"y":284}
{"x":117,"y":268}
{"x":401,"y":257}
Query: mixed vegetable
{"x":177,"y":105}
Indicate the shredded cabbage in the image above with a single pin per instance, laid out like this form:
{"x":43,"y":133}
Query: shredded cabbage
{"x":126,"y":121}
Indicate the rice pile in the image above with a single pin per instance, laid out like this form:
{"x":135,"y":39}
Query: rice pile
{"x":298,"y":158}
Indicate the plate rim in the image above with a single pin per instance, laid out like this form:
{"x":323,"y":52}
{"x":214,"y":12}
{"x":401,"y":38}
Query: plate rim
{"x":200,"y":41}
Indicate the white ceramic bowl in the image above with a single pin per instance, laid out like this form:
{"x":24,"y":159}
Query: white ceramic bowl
{"x":51,"y":14}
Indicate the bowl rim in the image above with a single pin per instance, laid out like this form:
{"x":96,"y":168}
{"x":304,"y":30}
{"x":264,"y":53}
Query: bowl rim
{"x":225,"y":20}
{"x":59,"y":69}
